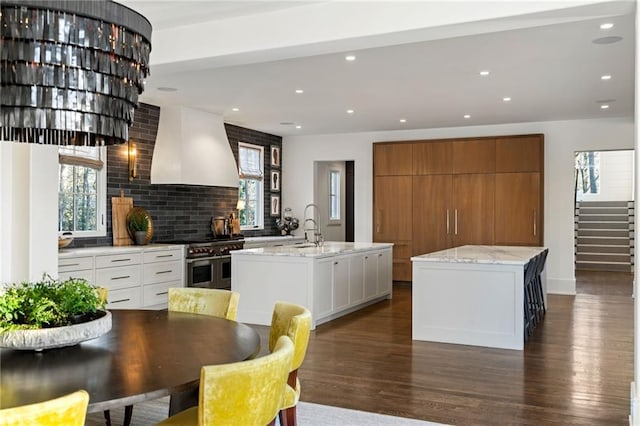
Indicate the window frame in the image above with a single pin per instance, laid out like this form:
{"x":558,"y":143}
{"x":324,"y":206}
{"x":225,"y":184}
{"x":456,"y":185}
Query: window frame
{"x":260,"y":212}
{"x":101,"y":197}
{"x":332,"y":219}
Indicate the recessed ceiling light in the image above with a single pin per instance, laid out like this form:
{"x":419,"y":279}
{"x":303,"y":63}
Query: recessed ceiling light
{"x":466,"y":116}
{"x":350,"y":111}
{"x":403,"y":120}
{"x":235,"y":109}
{"x":299,"y":91}
{"x":605,"y":77}
{"x":350,"y":58}
{"x":298,"y":127}
{"x":605,"y":106}
{"x":506,"y":99}
{"x":484,"y":73}
{"x":167,"y":89}
{"x":606,"y":26}
{"x":607,"y":40}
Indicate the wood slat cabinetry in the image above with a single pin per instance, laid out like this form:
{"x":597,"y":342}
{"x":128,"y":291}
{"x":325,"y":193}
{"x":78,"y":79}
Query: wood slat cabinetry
{"x":430,"y":195}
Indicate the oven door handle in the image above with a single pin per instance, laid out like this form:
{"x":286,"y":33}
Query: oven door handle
{"x":208,"y":259}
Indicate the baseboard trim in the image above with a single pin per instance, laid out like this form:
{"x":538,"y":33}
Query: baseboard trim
{"x":561,"y":286}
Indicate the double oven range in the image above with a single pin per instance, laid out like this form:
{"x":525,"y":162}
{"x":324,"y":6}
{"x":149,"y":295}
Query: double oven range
{"x":208,"y":263}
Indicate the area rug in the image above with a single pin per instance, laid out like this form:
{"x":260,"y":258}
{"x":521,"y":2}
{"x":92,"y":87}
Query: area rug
{"x":151,"y":412}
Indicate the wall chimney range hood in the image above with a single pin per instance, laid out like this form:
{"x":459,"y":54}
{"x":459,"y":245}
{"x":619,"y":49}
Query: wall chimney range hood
{"x":192,"y":149}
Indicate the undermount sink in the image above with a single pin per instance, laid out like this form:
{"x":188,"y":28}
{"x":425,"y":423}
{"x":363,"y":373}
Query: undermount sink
{"x":305,"y":245}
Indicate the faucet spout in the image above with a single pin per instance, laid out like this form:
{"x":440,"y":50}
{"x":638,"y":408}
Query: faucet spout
{"x":315,"y":227}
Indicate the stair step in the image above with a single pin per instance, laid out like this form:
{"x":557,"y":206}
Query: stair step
{"x":604,"y":257}
{"x":603,"y":218}
{"x":604,"y":210}
{"x":603,"y":203}
{"x":604,"y":233}
{"x":597,"y":248}
{"x":603,"y":225}
{"x":603,"y":267}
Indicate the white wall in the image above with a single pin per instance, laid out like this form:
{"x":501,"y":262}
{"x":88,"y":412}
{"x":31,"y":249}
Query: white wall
{"x":616,"y":177}
{"x":562,"y":139}
{"x":29,"y":212}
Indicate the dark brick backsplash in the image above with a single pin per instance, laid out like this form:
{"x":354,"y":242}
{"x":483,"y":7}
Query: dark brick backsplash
{"x":178,"y":211}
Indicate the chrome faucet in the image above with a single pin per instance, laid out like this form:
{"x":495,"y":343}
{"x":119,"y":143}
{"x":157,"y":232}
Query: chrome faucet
{"x":317,"y":236}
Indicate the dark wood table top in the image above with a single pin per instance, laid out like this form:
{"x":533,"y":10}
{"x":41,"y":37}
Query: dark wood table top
{"x":146,"y":355}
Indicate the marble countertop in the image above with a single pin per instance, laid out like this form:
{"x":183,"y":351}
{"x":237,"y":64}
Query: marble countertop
{"x":270,"y":238}
{"x":328,"y":249}
{"x":506,"y":255}
{"x":91,"y":251}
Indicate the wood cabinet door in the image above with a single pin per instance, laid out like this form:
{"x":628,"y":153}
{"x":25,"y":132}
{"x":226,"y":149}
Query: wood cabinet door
{"x":432,"y":213}
{"x":520,"y":154}
{"x":473,"y":204}
{"x":518,"y":209}
{"x":474,"y":156}
{"x":392,"y":208}
{"x":432,"y":157}
{"x":392,"y":159}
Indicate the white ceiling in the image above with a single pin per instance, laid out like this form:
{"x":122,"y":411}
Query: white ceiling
{"x":551,"y":71}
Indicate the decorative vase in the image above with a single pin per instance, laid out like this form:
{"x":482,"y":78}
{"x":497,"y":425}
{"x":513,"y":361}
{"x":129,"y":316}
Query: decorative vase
{"x":140,"y":237}
{"x":56,"y":337}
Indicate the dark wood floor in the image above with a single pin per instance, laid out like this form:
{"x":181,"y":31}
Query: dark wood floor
{"x":576,"y":368}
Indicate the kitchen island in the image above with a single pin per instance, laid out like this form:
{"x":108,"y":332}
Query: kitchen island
{"x":471,"y":295}
{"x":331,"y":280}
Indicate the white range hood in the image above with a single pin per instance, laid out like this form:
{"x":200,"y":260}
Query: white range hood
{"x":192,"y":149}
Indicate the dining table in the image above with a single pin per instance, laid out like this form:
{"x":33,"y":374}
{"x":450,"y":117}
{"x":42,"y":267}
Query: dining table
{"x":147,"y":354}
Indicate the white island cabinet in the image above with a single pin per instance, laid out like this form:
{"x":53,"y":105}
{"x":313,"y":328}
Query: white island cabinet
{"x":331,"y":281}
{"x":471,"y":295}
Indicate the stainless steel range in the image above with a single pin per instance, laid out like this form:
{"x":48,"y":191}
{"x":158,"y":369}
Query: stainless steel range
{"x":208,"y":263}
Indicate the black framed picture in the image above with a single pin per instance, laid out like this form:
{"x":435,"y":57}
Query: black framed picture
{"x":275,"y":156}
{"x":275,"y":181}
{"x":275,"y":205}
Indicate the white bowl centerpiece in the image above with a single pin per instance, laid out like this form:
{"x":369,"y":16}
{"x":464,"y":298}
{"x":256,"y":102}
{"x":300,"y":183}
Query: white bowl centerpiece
{"x":50,"y":314}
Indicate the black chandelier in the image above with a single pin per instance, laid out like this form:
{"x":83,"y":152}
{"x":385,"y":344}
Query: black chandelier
{"x":70,"y":71}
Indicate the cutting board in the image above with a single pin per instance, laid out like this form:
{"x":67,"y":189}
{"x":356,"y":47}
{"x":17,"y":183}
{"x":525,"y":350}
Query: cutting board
{"x":120,"y":206}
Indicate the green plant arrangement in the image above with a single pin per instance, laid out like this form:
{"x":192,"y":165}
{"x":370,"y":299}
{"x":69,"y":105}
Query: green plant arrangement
{"x":49,"y":303}
{"x":138,"y":222}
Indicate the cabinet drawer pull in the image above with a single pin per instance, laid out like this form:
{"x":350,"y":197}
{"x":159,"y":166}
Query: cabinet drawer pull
{"x":335,"y":263}
{"x":163,"y":255}
{"x":121,"y":300}
{"x":366,"y":257}
{"x":120,"y":260}
{"x":121,"y":278}
{"x":535,"y":228}
{"x":162,"y":294}
{"x":164,"y":272}
{"x":379,"y":254}
{"x":448,"y":222}
{"x":69,"y":264}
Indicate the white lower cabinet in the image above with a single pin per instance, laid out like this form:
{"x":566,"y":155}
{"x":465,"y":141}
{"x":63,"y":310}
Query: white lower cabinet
{"x":340,"y":282}
{"x":137,"y":277}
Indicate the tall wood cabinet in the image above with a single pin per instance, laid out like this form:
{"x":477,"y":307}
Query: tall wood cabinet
{"x":435,"y":194}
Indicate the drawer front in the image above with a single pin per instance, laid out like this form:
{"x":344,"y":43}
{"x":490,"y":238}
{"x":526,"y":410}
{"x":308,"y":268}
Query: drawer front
{"x":119,"y":277}
{"x":109,"y":260}
{"x":163,"y":255}
{"x":86,"y":274}
{"x":157,"y":294}
{"x":125,"y":298}
{"x":162,"y":272}
{"x":67,"y":264}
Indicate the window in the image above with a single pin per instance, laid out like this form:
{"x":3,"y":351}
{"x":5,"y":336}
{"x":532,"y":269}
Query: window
{"x":82,"y":190}
{"x":587,"y":173}
{"x":334,"y":195}
{"x":251,"y":189}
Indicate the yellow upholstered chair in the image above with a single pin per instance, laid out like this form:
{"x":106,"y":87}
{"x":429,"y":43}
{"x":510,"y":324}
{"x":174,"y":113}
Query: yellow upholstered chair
{"x":68,"y":410}
{"x":247,"y":393}
{"x":205,"y":301}
{"x":294,"y":321}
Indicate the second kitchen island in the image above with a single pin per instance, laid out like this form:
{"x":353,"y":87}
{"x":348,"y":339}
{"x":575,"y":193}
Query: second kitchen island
{"x":331,"y":281}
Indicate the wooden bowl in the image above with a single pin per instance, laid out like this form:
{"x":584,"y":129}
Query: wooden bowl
{"x":64,"y":242}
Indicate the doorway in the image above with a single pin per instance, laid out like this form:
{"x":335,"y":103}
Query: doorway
{"x":603,"y":220}
{"x":334,"y":196}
